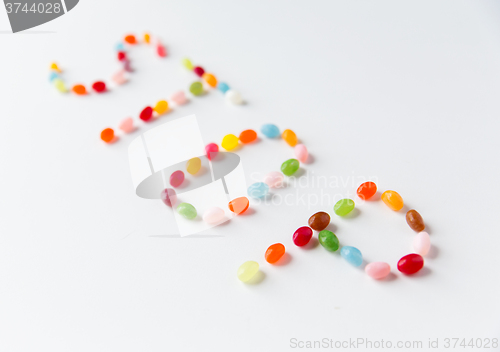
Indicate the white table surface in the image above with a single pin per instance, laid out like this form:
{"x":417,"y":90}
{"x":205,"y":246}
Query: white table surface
{"x":405,"y":93}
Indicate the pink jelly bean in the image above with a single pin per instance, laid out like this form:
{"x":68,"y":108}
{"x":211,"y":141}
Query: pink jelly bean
{"x":422,"y":243}
{"x":161,"y":50}
{"x":127,"y":125}
{"x":213,"y":215}
{"x":169,"y":197}
{"x":119,"y":77}
{"x":274,"y":179}
{"x":211,"y":149}
{"x":302,"y":236}
{"x":179,"y":98}
{"x":378,"y":270}
{"x":176,"y":178}
{"x":301,"y":152}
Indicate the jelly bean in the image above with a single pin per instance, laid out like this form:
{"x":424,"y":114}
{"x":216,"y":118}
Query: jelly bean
{"x":187,"y":210}
{"x":319,"y":221}
{"x":119,"y":46}
{"x":274,"y":179}
{"x":302,"y":236}
{"x":187,"y":63}
{"x":378,"y":270}
{"x":196,"y":88}
{"x":352,"y":255}
{"x":130,"y":39}
{"x":247,"y":271}
{"x":301,"y":153}
{"x":199,"y":71}
{"x":229,"y":142}
{"x":60,"y":86}
{"x":193,"y":165}
{"x":415,"y":221}
{"x":119,"y":77}
{"x":121,"y":56}
{"x":127,"y":125}
{"x":248,"y":136}
{"x":179,"y":98}
{"x":210,"y":79}
{"x":410,"y":264}
{"x":53,"y":75}
{"x":366,"y":190}
{"x":290,"y":137}
{"x":147,"y":38}
{"x":234,"y":97}
{"x":53,"y":66}
{"x":422,"y":243}
{"x":176,"y":178}
{"x":161,"y":107}
{"x":223,"y":87}
{"x":213,"y":215}
{"x":328,"y":240}
{"x":258,"y":190}
{"x":211,"y":149}
{"x":393,"y":200}
{"x":270,"y":130}
{"x":107,"y":135}
{"x":161,"y":50}
{"x":99,"y":86}
{"x":146,"y":113}
{"x":168,"y":196}
{"x":343,"y":207}
{"x":79,"y":89}
{"x":239,"y":205}
{"x":290,"y":167}
{"x":274,"y":253}
{"x":126,"y":66}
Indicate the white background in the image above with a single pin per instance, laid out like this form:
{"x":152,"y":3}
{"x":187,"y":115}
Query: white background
{"x":403,"y":92}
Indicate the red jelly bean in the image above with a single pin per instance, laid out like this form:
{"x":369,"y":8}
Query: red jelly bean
{"x":410,"y":263}
{"x":146,"y":113}
{"x":211,"y":149}
{"x":366,"y":190}
{"x":99,"y":86}
{"x":199,"y":70}
{"x":161,"y":50}
{"x":121,"y":56}
{"x":176,"y":178}
{"x":302,"y":236}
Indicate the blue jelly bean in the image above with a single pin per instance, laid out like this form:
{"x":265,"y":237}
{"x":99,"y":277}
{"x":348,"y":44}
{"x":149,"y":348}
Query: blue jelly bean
{"x":53,"y":75}
{"x":120,"y":46}
{"x":270,"y":130}
{"x":352,"y":255}
{"x":223,"y":87}
{"x":258,"y":190}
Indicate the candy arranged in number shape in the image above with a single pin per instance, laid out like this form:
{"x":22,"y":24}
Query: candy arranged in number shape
{"x":328,"y":240}
{"x":415,"y":221}
{"x":352,"y":255}
{"x":290,"y":167}
{"x":378,"y":270}
{"x":367,"y":190}
{"x":319,"y":221}
{"x":274,"y":253}
{"x":344,"y":207}
{"x":411,"y":264}
{"x":393,"y":200}
{"x":302,"y":236}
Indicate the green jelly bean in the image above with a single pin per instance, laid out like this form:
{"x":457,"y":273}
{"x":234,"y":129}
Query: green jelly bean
{"x":196,"y":88}
{"x":328,"y":240}
{"x":187,"y":210}
{"x":290,"y":167}
{"x":343,"y":207}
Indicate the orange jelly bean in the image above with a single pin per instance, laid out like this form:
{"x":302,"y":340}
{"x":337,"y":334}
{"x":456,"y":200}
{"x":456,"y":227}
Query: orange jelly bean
{"x":239,"y":205}
{"x":247,"y":136}
{"x":107,"y":135}
{"x":79,"y":89}
{"x":130,"y":39}
{"x":274,"y":253}
{"x":290,"y":137}
{"x":393,"y":200}
{"x":367,"y":190}
{"x":210,"y":79}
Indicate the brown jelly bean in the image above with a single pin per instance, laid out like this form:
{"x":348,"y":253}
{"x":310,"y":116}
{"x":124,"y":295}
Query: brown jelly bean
{"x":319,"y":221}
{"x":415,"y":221}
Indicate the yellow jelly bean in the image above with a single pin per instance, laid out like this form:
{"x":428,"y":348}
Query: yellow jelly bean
{"x":187,"y":63}
{"x":247,"y":270}
{"x":229,"y":142}
{"x":147,"y":38}
{"x":193,"y":166}
{"x":60,"y":86}
{"x":53,"y":66}
{"x":290,"y":137}
{"x":161,"y":107}
{"x":393,"y":200}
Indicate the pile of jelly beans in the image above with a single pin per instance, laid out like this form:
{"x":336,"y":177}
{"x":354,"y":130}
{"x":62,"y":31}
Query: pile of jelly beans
{"x":196,"y":87}
{"x":408,"y":264}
